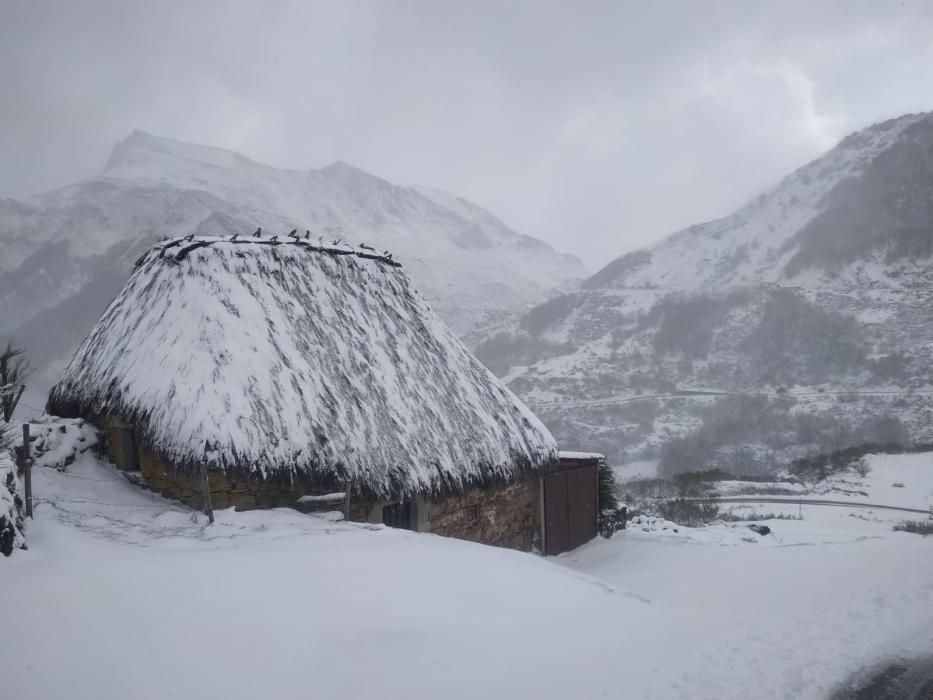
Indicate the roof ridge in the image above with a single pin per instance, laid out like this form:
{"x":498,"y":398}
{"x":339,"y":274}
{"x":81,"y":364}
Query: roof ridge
{"x":186,"y":244}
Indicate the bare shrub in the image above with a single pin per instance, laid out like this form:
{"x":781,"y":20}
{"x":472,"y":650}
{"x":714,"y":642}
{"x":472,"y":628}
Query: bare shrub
{"x":689,"y":513}
{"x":917,"y":527}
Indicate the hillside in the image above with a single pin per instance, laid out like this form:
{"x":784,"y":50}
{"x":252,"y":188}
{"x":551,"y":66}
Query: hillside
{"x":69,"y":251}
{"x":812,"y":306}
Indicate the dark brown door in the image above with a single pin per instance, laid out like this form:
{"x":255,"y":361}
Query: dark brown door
{"x":581,"y":498}
{"x":569,"y":509}
{"x":556,"y":514}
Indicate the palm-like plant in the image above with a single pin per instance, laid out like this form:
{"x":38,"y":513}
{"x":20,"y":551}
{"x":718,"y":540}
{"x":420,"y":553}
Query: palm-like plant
{"x":14,"y":370}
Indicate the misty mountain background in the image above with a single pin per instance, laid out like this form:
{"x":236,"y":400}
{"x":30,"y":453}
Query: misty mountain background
{"x":811,"y":307}
{"x":798,"y":324}
{"x":69,"y":251}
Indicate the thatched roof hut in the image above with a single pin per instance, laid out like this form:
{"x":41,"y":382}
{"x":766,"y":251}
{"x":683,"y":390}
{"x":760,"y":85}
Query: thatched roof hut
{"x":293,"y":360}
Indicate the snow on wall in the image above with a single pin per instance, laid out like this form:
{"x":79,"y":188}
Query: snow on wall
{"x":569,"y":454}
{"x":58,"y":442}
{"x":292,"y":359}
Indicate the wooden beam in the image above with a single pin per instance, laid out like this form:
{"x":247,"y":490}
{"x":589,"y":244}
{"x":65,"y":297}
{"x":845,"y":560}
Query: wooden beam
{"x":206,"y":494}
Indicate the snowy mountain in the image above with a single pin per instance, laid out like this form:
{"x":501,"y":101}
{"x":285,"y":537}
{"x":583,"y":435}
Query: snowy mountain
{"x":812,"y":305}
{"x":68,"y":252}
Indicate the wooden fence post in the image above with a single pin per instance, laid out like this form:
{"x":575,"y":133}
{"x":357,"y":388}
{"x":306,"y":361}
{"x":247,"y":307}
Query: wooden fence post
{"x":346,"y":500}
{"x":206,"y":494}
{"x":27,"y":470}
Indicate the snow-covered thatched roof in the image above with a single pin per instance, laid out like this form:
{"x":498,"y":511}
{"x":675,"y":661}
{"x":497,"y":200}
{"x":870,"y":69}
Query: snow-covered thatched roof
{"x":291,"y":359}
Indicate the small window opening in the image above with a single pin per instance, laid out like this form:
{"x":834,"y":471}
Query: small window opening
{"x":397,"y":515}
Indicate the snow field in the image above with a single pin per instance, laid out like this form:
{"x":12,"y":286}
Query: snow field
{"x":898,"y":480}
{"x":125,"y":595}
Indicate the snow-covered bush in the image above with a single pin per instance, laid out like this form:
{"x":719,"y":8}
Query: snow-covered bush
{"x":611,"y":521}
{"x":11,"y":504}
{"x":650,"y":523}
{"x":861,"y":467}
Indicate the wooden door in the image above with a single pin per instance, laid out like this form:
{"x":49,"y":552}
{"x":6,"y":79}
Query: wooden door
{"x":569,"y":508}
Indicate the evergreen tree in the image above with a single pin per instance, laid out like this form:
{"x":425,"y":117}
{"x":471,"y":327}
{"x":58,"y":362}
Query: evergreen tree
{"x":611,"y":518}
{"x":608,"y":501}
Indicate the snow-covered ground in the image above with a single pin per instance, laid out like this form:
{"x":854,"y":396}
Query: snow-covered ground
{"x":898,"y":480}
{"x":737,"y":488}
{"x":782,"y":616}
{"x":125,"y":595}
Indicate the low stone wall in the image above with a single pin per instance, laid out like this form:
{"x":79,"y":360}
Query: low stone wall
{"x":503,"y":515}
{"x":244,"y":493}
{"x":124,"y":452}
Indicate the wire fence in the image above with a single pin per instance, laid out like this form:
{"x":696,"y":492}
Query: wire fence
{"x":54,"y":501}
{"x":88,"y":478}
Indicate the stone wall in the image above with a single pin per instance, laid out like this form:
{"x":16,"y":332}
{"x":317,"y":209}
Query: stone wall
{"x":241,"y":493}
{"x":505,"y":515}
{"x":120,"y":443}
{"x":124,"y":452}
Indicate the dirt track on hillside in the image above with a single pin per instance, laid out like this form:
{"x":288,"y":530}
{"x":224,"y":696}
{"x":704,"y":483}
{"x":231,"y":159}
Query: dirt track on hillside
{"x":809,"y":502}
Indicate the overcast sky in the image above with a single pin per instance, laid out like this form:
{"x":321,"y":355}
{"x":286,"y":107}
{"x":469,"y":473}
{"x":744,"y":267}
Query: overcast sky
{"x":597,"y":126}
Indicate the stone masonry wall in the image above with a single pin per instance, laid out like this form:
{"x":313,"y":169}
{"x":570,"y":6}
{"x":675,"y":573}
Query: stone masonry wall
{"x":115,"y":438}
{"x":504,"y":515}
{"x":242,"y":493}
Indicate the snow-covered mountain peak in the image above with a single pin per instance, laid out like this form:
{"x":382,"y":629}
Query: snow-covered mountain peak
{"x":342,"y":170}
{"x":142,"y":153}
{"x":874,"y":135}
{"x":794,"y":232}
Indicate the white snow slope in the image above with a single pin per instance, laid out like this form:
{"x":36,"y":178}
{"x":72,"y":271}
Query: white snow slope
{"x":753,"y":245}
{"x":124,"y":595}
{"x":904,"y":480}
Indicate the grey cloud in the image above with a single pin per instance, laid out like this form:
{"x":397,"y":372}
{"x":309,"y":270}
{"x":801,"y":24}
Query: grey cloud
{"x":598,"y":126}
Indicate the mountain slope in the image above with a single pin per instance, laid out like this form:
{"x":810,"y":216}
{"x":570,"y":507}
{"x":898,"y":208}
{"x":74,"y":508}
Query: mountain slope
{"x":69,"y":251}
{"x":820,"y":288}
